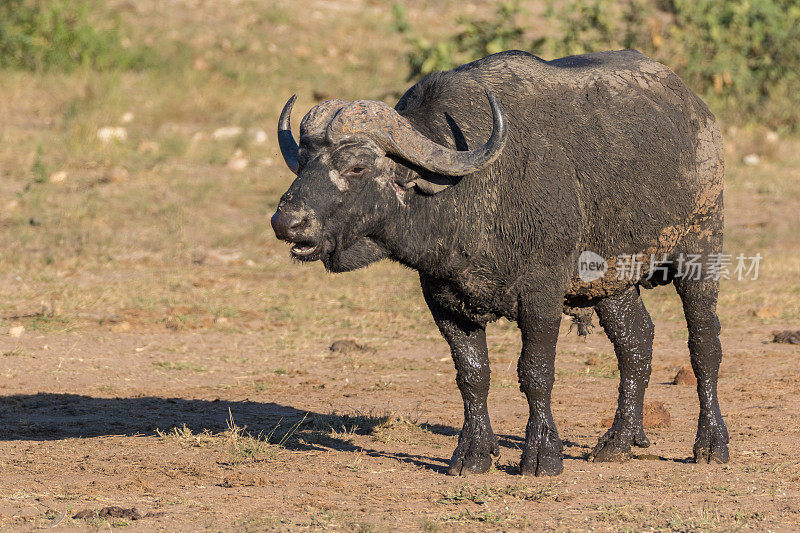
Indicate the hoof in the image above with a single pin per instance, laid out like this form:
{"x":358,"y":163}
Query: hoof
{"x":610,"y":452}
{"x":474,"y":452}
{"x":615,"y":445}
{"x":711,"y":449}
{"x":548,"y":464}
{"x":711,"y":443}
{"x":543,"y":454}
{"x":471,"y":464}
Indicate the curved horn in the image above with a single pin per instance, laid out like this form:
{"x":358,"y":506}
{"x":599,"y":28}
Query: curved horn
{"x":397,"y":136}
{"x":285,"y":139}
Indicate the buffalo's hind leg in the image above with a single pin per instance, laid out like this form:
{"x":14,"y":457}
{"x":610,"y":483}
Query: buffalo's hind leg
{"x":542,"y":454}
{"x":699,"y":298}
{"x":477,"y":442}
{"x":628,"y":326}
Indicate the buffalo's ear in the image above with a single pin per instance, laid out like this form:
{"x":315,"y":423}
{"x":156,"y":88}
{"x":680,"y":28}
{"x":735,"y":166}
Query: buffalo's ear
{"x":430,"y":183}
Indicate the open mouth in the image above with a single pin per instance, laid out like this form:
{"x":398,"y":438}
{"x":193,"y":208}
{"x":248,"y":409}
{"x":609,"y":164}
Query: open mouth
{"x":304,"y":250}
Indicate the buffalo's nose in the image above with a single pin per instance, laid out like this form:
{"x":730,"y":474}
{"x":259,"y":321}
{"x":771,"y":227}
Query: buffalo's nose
{"x":288,"y":226}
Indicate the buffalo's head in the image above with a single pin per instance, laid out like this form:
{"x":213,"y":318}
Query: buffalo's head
{"x":349,"y":181}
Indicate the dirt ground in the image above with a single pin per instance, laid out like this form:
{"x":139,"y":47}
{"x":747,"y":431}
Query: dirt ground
{"x":160,"y":351}
{"x":94,"y":418}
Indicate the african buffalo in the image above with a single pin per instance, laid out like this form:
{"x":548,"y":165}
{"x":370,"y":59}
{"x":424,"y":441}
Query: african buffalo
{"x":492,"y":180}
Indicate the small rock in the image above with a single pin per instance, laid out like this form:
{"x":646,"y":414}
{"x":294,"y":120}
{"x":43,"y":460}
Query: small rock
{"x":221,"y":321}
{"x":16,"y":331}
{"x":751,"y":159}
{"x":119,"y":512}
{"x":108,"y":512}
{"x":257,"y":135}
{"x":227,"y":133}
{"x":58,"y":177}
{"x":243,"y":480}
{"x":127,"y":118}
{"x":237,"y":161}
{"x":656,"y":415}
{"x":772,"y":137}
{"x":685,"y":376}
{"x":786,"y":337}
{"x":110,"y":134}
{"x":346,"y":346}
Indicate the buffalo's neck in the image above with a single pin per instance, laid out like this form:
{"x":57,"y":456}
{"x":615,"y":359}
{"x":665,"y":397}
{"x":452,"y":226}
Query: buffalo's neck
{"x":438,"y":235}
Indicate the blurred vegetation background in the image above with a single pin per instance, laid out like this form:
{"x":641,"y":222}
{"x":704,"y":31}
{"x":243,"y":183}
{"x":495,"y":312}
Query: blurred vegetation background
{"x":742,"y":56}
{"x":139,"y":166}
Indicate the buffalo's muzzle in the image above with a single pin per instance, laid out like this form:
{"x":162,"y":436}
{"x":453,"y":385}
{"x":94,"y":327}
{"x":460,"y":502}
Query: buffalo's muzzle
{"x":288,"y":226}
{"x":296,"y":228}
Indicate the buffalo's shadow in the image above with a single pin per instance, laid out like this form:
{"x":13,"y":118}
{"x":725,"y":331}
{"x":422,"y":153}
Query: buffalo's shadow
{"x":49,"y":416}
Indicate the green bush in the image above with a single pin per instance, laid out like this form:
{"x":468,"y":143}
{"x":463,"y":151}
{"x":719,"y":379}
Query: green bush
{"x":478,"y":38}
{"x":58,"y":35}
{"x":743,"y":56}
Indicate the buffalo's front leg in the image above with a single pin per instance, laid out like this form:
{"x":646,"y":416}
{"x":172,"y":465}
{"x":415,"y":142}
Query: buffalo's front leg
{"x":542,"y":454}
{"x":467,"y":340}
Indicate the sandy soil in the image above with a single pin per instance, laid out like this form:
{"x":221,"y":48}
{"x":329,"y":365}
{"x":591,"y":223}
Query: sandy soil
{"x":86,"y":420}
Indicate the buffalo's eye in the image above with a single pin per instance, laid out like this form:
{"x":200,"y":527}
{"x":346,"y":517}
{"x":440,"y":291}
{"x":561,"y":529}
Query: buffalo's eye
{"x":356,"y":171}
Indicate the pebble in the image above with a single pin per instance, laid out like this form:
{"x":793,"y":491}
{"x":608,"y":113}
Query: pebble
{"x":58,"y":177}
{"x":227,"y":133}
{"x":110,"y":133}
{"x":751,"y":159}
{"x":346,"y":346}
